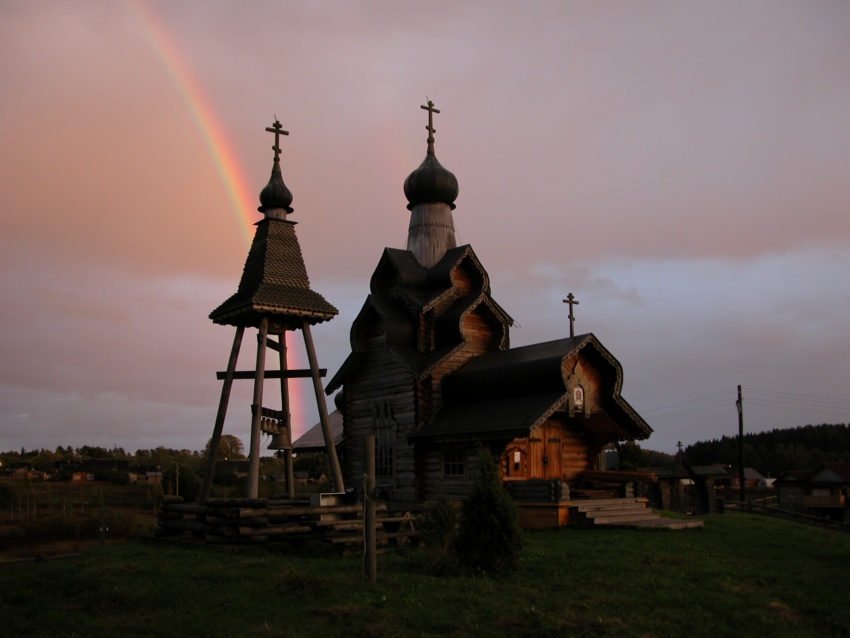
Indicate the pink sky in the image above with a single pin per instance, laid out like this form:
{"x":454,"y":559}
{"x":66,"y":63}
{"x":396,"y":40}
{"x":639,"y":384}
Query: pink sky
{"x":682,"y":168}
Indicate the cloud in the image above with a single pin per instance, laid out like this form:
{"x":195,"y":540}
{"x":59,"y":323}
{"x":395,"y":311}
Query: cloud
{"x":680,"y":168}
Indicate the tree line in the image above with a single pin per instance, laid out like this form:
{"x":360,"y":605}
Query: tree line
{"x":776,"y":451}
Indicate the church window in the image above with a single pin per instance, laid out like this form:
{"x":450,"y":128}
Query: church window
{"x":384,"y":428}
{"x":384,"y":453}
{"x":454,"y":462}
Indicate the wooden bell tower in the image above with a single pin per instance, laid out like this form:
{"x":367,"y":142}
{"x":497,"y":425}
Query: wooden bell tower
{"x":274,"y":297}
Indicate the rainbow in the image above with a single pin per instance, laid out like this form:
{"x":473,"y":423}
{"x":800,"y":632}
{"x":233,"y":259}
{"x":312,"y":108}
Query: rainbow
{"x":242,"y":201}
{"x":203,"y":115}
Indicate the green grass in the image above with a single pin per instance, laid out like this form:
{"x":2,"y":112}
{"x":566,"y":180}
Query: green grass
{"x":740,"y":576}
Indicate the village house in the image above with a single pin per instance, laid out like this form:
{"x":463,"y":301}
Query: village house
{"x":826,"y":491}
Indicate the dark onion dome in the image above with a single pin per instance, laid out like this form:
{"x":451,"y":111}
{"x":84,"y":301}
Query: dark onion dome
{"x":275,"y":194}
{"x":430,"y":183}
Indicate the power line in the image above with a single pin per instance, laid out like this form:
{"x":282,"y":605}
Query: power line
{"x":812,"y":404}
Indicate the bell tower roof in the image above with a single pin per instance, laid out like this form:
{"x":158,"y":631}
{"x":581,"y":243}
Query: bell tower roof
{"x":274,"y":280}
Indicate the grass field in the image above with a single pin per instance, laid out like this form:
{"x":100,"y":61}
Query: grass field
{"x":740,"y":576}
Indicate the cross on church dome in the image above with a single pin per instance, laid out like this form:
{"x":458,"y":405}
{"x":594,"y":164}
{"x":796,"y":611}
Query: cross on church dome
{"x":276,"y":198}
{"x":430,"y":128}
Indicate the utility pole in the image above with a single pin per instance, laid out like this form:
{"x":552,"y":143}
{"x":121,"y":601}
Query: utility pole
{"x":740,"y":405}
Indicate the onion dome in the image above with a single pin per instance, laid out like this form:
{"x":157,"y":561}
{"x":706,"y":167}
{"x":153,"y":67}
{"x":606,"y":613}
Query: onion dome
{"x":275,"y":194}
{"x":430,"y":183}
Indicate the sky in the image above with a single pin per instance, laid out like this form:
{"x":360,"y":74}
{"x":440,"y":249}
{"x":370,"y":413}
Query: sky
{"x":682,"y":168}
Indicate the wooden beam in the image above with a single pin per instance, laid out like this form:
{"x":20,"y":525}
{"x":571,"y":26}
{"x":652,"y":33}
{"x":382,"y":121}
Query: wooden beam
{"x":273,"y":374}
{"x":330,"y":449}
{"x":254,"y":453}
{"x":222,"y":412}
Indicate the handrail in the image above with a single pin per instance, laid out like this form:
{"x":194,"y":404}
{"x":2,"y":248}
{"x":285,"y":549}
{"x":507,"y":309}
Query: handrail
{"x":755,"y":508}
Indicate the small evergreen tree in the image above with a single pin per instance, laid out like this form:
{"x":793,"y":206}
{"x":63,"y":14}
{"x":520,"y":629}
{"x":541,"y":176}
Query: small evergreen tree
{"x":439,"y":531}
{"x":489,"y":536}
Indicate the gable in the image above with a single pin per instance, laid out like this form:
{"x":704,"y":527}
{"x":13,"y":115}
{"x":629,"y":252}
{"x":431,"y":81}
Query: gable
{"x":521,"y":387}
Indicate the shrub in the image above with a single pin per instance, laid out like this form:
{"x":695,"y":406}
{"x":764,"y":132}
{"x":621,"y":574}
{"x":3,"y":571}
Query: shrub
{"x":489,"y":537}
{"x":190,"y":483}
{"x":439,"y":532}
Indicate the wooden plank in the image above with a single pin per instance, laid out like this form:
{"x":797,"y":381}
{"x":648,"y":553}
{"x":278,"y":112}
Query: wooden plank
{"x":185,"y":508}
{"x":280,"y":530}
{"x":272,"y":374}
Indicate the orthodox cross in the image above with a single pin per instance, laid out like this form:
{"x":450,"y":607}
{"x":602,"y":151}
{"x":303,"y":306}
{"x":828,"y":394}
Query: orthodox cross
{"x":679,"y":445}
{"x":278,"y":131}
{"x":431,"y":110}
{"x":573,"y":302}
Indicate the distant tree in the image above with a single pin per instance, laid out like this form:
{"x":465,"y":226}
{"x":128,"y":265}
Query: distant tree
{"x":91,"y":452}
{"x":229,"y":448}
{"x":186,"y":482}
{"x":658,"y":459}
{"x":45,"y":461}
{"x":631,"y":456}
{"x":314,"y":463}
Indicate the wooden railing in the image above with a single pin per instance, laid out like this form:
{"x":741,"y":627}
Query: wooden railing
{"x":800,"y":517}
{"x":831,"y":500}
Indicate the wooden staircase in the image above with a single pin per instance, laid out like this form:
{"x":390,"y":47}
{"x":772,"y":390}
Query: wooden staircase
{"x":623,"y":512}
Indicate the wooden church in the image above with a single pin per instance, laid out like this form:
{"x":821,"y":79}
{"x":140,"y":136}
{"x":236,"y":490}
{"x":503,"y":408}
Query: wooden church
{"x":432,"y":375}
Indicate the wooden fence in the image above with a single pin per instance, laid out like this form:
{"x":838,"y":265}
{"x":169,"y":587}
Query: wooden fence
{"x":246,"y":521}
{"x":755,"y":508}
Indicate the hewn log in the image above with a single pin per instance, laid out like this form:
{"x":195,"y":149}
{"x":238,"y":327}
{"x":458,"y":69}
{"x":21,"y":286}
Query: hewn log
{"x":254,"y":521}
{"x":273,"y":531}
{"x":187,"y":526}
{"x":185,"y":508}
{"x":220,"y":415}
{"x":237,"y":502}
{"x":169,"y":516}
{"x":297,"y":510}
{"x":255,"y":441}
{"x":273,"y":374}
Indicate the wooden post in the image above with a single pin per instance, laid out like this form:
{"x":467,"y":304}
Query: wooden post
{"x":741,"y":474}
{"x":284,"y":407}
{"x":370,"y":531}
{"x":339,"y":486}
{"x":257,"y":408}
{"x":222,"y":411}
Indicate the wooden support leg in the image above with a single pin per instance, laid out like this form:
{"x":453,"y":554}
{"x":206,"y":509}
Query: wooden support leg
{"x":284,"y":403}
{"x":222,"y":411}
{"x":339,"y":486}
{"x":259,"y":375}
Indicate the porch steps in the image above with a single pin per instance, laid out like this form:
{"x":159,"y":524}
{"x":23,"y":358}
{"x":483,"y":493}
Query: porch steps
{"x":624,"y":512}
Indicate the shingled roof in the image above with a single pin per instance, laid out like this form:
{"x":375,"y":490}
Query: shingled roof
{"x":511,"y":391}
{"x":313,"y":440}
{"x":402,"y":291}
{"x":274,"y":283}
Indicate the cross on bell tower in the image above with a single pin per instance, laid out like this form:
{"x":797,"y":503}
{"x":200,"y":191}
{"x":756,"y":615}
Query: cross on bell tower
{"x":274,"y":296}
